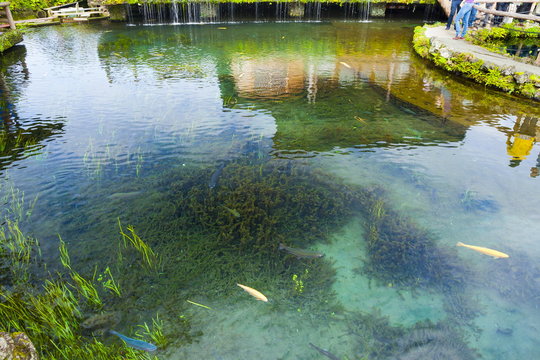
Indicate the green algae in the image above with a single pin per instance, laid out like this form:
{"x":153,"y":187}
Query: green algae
{"x":9,"y":39}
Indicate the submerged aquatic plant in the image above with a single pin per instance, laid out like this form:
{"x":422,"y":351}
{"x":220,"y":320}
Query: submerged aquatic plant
{"x":279,"y":201}
{"x":154,"y":333}
{"x":149,"y":257}
{"x":51,"y":312}
{"x":379,"y":340}
{"x":470,"y":201}
{"x":402,"y":253}
{"x":107,"y":280}
{"x":86,"y":288}
{"x":298,"y":283}
{"x":16,"y":250}
{"x":51,"y":316}
{"x":15,"y":206}
{"x":277,"y":204}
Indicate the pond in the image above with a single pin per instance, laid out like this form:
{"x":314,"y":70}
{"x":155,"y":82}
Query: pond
{"x":220,"y":142}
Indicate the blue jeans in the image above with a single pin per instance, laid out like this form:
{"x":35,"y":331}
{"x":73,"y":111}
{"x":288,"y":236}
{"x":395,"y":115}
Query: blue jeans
{"x":464,"y":15}
{"x":453,"y":9}
{"x":472,"y":17}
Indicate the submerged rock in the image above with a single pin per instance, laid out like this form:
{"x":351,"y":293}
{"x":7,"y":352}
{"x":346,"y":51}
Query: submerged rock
{"x":16,"y":346}
{"x":7,"y":346}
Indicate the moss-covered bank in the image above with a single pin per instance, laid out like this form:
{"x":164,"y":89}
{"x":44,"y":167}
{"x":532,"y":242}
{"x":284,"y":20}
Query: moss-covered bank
{"x":467,"y":65}
{"x":9,"y":39}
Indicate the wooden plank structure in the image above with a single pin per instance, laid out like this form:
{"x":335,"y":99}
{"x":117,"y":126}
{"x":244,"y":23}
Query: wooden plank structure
{"x":74,"y":11}
{"x":8,"y":21}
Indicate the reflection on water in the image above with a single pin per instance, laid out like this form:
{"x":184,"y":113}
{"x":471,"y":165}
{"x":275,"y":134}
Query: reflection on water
{"x":19,"y":137}
{"x":521,"y":141}
{"x":219,"y":143}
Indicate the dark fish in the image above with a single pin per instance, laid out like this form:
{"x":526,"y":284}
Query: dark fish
{"x":215,"y":176}
{"x":134,"y":343}
{"x":504,"y":331}
{"x":326,"y":353}
{"x":301,"y":253}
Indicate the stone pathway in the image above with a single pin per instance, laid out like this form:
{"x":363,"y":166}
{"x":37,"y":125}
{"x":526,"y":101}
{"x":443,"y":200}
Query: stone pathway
{"x":444,"y":37}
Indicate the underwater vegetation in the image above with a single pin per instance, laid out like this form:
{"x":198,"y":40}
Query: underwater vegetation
{"x":231,"y":232}
{"x":517,"y":278}
{"x":65,"y":315}
{"x":470,"y":201}
{"x":403,"y":254}
{"x":378,"y":339}
{"x":276,"y":203}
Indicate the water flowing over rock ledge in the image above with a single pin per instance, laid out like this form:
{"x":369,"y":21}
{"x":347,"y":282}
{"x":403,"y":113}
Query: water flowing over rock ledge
{"x":477,"y":63}
{"x":212,"y":11}
{"x":119,"y":2}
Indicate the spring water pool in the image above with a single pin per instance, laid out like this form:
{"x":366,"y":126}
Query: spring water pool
{"x":218,"y":142}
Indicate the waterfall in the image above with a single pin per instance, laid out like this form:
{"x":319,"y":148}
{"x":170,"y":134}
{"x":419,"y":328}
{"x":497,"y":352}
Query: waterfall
{"x":209,"y":12}
{"x":231,"y":12}
{"x":148,"y":13}
{"x":367,"y":10}
{"x":174,"y":12}
{"x":282,"y":11}
{"x":193,"y":13}
{"x":357,"y":11}
{"x":129,"y":14}
{"x":159,"y":13}
{"x":312,"y":11}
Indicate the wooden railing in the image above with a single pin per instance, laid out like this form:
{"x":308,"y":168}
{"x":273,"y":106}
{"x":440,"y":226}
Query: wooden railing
{"x":510,"y":14}
{"x":68,"y":10}
{"x":7,"y":13}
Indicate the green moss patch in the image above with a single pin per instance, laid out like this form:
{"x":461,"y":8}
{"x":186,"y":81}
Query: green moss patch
{"x":9,"y":39}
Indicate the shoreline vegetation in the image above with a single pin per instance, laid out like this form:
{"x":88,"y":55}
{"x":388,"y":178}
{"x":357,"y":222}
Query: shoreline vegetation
{"x":506,"y":79}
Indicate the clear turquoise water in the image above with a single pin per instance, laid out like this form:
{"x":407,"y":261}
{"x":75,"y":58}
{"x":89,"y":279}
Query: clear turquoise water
{"x":131,"y":122}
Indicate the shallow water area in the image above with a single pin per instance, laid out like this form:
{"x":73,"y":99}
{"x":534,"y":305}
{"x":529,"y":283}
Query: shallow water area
{"x":219,"y":142}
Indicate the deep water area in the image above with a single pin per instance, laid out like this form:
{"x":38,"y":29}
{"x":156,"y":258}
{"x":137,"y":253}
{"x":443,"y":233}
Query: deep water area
{"x":146,"y":171}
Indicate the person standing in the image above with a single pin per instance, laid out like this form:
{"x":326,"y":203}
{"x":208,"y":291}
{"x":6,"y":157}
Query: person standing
{"x":454,"y":7}
{"x":472,"y":17}
{"x":463,"y":15}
